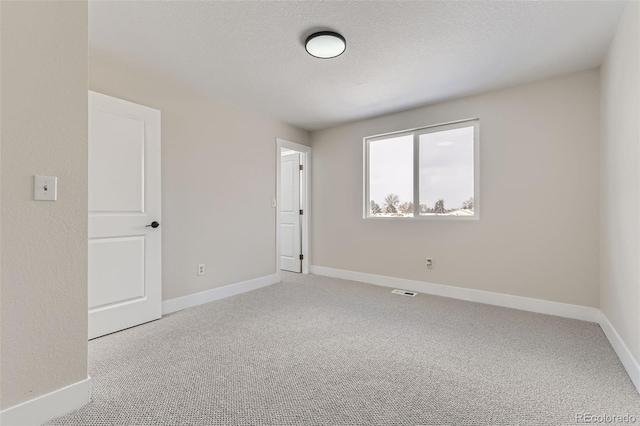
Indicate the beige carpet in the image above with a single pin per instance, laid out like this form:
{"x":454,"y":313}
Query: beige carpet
{"x":322,"y":351}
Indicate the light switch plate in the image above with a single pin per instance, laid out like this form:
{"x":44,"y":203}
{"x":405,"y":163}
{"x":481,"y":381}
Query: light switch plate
{"x":45,"y":188}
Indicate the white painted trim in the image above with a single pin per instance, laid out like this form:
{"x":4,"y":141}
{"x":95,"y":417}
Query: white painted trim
{"x":397,"y":133}
{"x":306,"y":202}
{"x":566,"y":310}
{"x":191,"y":300}
{"x":49,"y":406}
{"x":626,"y":357}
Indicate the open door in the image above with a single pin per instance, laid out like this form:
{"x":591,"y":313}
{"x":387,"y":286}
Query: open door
{"x":124,"y":215}
{"x":290,"y":212}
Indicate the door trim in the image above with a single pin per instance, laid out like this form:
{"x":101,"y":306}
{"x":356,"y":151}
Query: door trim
{"x":305,"y":155}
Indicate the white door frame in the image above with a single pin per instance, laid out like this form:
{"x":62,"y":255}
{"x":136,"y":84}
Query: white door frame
{"x":305,"y":157}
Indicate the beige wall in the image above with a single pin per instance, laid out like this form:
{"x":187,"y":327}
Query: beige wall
{"x":44,"y":244}
{"x":538,"y":232}
{"x":218,"y":179}
{"x":620,"y":181}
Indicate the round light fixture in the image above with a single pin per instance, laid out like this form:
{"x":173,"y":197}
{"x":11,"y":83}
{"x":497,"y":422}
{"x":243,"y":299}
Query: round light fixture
{"x":325,"y":44}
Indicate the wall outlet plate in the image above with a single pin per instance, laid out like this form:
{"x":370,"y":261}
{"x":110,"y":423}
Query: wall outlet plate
{"x":201,"y":269}
{"x":45,"y":188}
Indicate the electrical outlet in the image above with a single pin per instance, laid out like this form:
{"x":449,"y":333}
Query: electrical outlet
{"x":429,"y":263}
{"x":200,"y":269}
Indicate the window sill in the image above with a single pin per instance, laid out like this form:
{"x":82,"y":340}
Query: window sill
{"x":426,"y":218}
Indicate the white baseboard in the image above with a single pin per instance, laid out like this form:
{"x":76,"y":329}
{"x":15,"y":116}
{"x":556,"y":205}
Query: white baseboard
{"x":566,"y":310}
{"x":626,"y":357}
{"x":184,"y":302}
{"x":46,"y":407}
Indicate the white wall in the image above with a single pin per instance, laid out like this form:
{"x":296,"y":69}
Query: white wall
{"x":218,"y":179}
{"x":620,"y":181}
{"x":43,"y":279}
{"x":538,"y":232}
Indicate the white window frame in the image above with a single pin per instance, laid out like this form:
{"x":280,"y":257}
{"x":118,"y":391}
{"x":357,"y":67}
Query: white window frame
{"x":416,"y":132}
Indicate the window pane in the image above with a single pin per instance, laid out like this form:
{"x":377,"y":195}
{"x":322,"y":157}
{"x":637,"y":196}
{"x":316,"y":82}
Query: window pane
{"x":446,"y":173}
{"x":391,"y":177}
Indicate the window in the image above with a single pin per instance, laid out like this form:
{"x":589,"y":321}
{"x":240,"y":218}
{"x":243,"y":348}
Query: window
{"x":426,"y":173}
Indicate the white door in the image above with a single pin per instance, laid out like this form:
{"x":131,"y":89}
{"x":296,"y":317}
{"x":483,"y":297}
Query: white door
{"x":124,"y":200}
{"x":290,"y":233}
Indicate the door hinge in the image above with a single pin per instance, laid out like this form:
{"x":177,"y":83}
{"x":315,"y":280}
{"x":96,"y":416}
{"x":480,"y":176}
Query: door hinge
{"x":301,"y":212}
{"x":301,"y":256}
{"x":301,"y":167}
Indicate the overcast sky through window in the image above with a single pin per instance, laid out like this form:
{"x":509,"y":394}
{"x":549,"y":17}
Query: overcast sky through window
{"x":391,"y":169}
{"x":446,"y":167}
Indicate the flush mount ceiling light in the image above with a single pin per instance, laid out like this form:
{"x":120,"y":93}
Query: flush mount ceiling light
{"x":325,"y":44}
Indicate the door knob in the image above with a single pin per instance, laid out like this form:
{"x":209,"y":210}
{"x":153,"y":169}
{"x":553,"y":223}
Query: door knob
{"x":154,"y":225}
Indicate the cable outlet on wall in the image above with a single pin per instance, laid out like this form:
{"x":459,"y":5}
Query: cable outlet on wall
{"x":45,"y":188}
{"x":200,"y":269}
{"x":429,"y":263}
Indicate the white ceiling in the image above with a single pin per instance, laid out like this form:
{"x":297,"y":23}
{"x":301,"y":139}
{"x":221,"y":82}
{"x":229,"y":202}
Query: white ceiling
{"x":399,"y":54}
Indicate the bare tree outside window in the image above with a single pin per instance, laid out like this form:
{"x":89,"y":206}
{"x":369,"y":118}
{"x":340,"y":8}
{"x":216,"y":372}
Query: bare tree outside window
{"x":406,"y":207}
{"x":391,"y":202}
{"x":468,"y":205}
{"x":375,"y":208}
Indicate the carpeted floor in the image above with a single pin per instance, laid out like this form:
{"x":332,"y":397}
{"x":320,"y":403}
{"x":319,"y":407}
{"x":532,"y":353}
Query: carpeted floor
{"x":322,"y":351}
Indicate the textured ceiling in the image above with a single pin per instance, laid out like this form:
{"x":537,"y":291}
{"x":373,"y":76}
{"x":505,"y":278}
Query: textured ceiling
{"x":399,"y":54}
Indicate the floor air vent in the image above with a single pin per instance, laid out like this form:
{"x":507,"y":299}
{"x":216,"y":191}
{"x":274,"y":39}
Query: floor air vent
{"x":404,"y":292}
